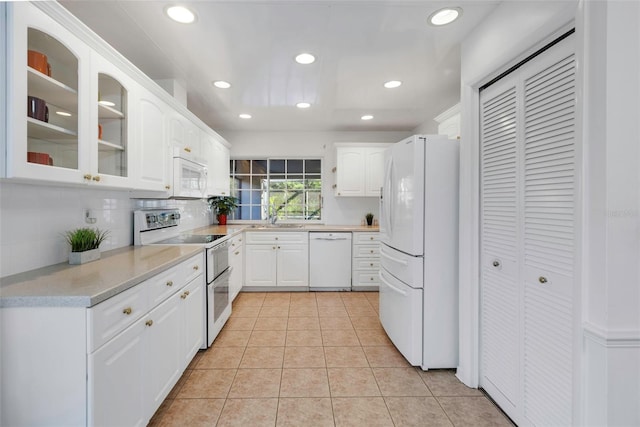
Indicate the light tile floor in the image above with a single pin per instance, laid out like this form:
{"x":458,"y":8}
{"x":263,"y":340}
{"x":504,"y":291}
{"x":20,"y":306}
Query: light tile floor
{"x":315,"y":359}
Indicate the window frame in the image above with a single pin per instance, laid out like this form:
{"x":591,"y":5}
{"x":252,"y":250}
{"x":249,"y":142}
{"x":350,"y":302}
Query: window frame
{"x":258,"y":202}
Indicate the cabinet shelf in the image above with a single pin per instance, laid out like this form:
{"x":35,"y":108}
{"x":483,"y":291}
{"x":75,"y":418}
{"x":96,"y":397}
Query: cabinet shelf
{"x":52,"y":91}
{"x":105,"y":112}
{"x":46,"y":131}
{"x":109,"y":146}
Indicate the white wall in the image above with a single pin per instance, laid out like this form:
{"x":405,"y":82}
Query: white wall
{"x":33,"y":219}
{"x":608,"y":324}
{"x":336,"y":210}
{"x":611,"y":315}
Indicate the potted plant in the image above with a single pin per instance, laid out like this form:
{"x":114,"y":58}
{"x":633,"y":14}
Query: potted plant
{"x":369,"y":217}
{"x":85,"y":244}
{"x":222,"y":206}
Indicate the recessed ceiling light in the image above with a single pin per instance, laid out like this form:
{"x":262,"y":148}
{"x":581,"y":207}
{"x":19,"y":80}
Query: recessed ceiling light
{"x":392,"y":84}
{"x":303,"y":105}
{"x":180,"y":14}
{"x":244,"y":116}
{"x":222,"y":84}
{"x":63,"y":113}
{"x":445,"y":16}
{"x":366,"y":117}
{"x":305,"y":58}
{"x":107,"y":103}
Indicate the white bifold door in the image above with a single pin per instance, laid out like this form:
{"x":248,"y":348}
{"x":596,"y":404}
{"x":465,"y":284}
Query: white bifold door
{"x":528,"y":238}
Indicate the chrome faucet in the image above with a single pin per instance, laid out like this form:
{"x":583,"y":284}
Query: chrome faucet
{"x":272,"y":215}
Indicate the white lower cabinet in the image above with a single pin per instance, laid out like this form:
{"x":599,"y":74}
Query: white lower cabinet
{"x":131,"y":375}
{"x":366,"y":261}
{"x":236,"y":262}
{"x":277,"y":259}
{"x":112,"y":364}
{"x":135,"y":371}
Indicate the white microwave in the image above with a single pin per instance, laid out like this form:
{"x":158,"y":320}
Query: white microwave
{"x":189,"y":179}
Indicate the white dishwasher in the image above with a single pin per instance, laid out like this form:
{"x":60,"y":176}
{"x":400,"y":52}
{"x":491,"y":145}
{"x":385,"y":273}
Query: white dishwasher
{"x":330,"y":261}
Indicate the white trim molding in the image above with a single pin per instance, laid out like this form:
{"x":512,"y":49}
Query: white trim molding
{"x":611,"y":338}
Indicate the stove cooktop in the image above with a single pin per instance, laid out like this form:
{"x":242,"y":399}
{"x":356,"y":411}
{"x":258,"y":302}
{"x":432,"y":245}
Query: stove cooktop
{"x":191,"y":239}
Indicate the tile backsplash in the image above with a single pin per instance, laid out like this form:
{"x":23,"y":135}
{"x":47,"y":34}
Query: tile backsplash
{"x":33,"y":219}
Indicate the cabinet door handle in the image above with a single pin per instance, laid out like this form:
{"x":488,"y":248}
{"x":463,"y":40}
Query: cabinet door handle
{"x":542,"y":279}
{"x":167,"y":187}
{"x":238,"y":253}
{"x":196,"y":268}
{"x":371,"y":238}
{"x":96,"y":178}
{"x":274,"y":247}
{"x":371,"y":264}
{"x":127,"y":311}
{"x":278,"y":247}
{"x":184,"y":295}
{"x":149,"y":322}
{"x":187,"y":149}
{"x":87,"y":176}
{"x":496,"y":263}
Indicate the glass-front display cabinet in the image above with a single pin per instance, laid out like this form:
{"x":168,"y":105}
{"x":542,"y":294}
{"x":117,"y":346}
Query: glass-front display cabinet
{"x":112,"y":127}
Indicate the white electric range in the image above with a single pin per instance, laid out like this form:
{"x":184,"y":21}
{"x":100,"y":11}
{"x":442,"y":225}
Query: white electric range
{"x":160,"y":227}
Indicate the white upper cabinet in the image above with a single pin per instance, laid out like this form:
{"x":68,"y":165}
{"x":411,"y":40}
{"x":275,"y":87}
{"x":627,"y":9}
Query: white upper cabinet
{"x":91,"y":117}
{"x":218,"y":164}
{"x":152,"y":159}
{"x":359,"y":169}
{"x":48,"y":106}
{"x":184,"y":138}
{"x":111,"y":92}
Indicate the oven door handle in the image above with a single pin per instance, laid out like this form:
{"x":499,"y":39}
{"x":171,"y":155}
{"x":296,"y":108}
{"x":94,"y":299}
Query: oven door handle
{"x":225,"y":273}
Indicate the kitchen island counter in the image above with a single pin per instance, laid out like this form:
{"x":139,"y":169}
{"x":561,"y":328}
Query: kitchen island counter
{"x":64,"y":285}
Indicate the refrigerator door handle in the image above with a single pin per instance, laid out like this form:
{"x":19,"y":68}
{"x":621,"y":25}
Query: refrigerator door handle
{"x":393,"y":288}
{"x":387,"y":185}
{"x":390,"y":258}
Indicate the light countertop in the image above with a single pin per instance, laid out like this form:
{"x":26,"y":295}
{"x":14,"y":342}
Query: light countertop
{"x":64,"y":285}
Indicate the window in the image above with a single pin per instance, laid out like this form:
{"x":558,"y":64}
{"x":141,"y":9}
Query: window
{"x":289,"y":189}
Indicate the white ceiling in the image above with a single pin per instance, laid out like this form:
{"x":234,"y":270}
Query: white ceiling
{"x":358,"y":44}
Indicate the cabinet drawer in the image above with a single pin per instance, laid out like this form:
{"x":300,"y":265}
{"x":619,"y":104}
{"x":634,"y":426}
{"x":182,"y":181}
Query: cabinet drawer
{"x":366,"y":264}
{"x":165,"y":284}
{"x":192,"y":268}
{"x":365,"y":278}
{"x":365,"y":238}
{"x":108,"y":318}
{"x":366,"y":251}
{"x":236,"y":242}
{"x":270,"y":238}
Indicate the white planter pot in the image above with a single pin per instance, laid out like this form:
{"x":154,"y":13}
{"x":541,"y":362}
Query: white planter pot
{"x":83,"y":257}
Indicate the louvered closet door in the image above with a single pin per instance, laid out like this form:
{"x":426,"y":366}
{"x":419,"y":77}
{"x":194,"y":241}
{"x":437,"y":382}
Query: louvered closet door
{"x":500,"y":315}
{"x":549,"y":239}
{"x":528,"y":230}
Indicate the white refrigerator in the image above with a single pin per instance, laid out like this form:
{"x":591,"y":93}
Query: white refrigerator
{"x":419,"y":249}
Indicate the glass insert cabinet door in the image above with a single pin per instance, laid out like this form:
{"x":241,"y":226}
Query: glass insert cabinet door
{"x":52,"y":113}
{"x":48,"y":104}
{"x":112,"y":127}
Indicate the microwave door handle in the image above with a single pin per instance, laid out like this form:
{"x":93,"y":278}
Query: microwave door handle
{"x":202,"y":182}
